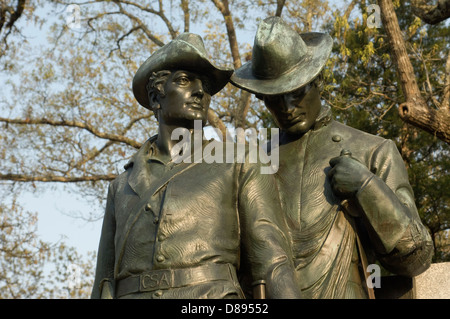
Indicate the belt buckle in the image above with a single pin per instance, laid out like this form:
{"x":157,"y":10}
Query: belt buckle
{"x":157,"y":279}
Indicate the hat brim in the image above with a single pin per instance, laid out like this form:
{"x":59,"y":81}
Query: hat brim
{"x":179,"y":55}
{"x":319,"y":49}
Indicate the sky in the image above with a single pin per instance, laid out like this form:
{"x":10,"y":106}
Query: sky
{"x":55,"y":223}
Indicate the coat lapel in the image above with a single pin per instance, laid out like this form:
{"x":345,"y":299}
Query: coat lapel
{"x":139,"y":178}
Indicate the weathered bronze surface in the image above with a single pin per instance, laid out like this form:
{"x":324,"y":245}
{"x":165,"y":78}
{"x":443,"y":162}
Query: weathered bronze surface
{"x":339,"y":186}
{"x":184,"y":230}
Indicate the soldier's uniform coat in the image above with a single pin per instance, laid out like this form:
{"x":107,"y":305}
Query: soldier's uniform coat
{"x":383,"y":213}
{"x":162,"y":216}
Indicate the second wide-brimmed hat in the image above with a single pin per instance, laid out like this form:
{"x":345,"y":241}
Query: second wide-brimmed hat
{"x":282,"y":59}
{"x":186,"y":52}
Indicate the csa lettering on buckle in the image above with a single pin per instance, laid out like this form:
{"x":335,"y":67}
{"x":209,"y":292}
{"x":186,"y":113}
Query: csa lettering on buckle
{"x":157,"y":279}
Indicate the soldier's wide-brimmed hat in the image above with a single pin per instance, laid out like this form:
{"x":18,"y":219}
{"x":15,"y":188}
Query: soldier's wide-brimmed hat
{"x":186,"y":52}
{"x":282,"y":59}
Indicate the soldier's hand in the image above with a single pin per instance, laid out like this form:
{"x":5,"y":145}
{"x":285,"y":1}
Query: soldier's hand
{"x":347,"y":175}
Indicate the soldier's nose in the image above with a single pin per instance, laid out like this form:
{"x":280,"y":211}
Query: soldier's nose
{"x":198,"y":88}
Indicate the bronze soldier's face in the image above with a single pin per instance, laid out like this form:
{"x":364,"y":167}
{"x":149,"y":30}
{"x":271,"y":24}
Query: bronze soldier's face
{"x":295,"y":112}
{"x":186,"y":99}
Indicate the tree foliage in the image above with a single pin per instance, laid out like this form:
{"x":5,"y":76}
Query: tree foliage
{"x":68,"y":114}
{"x":433,"y":12}
{"x":32,"y":268}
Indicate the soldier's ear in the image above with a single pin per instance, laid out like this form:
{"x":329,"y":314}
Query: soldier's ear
{"x":155,"y":105}
{"x":154,"y":101}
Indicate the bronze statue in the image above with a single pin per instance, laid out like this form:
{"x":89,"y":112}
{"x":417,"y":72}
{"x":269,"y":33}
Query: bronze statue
{"x":176,"y":229}
{"x":345,"y":193}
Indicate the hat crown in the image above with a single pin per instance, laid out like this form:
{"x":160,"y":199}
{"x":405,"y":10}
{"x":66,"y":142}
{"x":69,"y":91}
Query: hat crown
{"x":277,"y":49}
{"x":193,"y":39}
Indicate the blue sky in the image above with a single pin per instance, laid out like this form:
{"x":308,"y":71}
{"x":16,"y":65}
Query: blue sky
{"x":55,"y":223}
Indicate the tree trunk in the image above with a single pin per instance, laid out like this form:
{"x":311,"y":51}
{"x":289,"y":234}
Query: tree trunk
{"x":415,"y":109}
{"x":244,"y":100}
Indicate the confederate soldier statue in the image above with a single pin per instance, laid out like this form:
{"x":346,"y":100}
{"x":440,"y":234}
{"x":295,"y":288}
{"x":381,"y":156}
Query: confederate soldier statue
{"x":345,"y":192}
{"x":176,"y":229}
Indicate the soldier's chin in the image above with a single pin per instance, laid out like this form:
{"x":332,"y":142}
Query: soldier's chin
{"x":198,"y":116}
{"x":298,"y":128}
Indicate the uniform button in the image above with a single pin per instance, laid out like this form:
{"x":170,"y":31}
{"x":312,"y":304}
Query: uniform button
{"x":156,"y":220}
{"x":161,"y":237}
{"x":148,"y":207}
{"x":336,"y":138}
{"x":158,"y":293}
{"x":160,"y":258}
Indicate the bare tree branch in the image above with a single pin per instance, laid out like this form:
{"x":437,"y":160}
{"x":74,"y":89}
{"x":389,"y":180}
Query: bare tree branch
{"x":224,"y":8}
{"x":142,"y":26}
{"x":8,"y":22}
{"x":280,"y":6}
{"x":187,"y":17}
{"x":349,"y":9}
{"x":78,"y":124}
{"x":159,"y":13}
{"x":54,"y":178}
{"x":216,"y":122}
{"x":16,"y":13}
{"x":446,"y":95}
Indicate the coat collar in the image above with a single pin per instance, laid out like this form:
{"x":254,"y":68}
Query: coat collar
{"x":139,"y":177}
{"x":323,"y":118}
{"x":142,"y":152}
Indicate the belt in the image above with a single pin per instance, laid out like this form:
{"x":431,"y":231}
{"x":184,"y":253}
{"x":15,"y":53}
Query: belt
{"x":174,"y":278}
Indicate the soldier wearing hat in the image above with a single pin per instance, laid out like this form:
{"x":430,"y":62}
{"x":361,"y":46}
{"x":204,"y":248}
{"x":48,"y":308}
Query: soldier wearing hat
{"x":182,"y":230}
{"x":345,"y":192}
